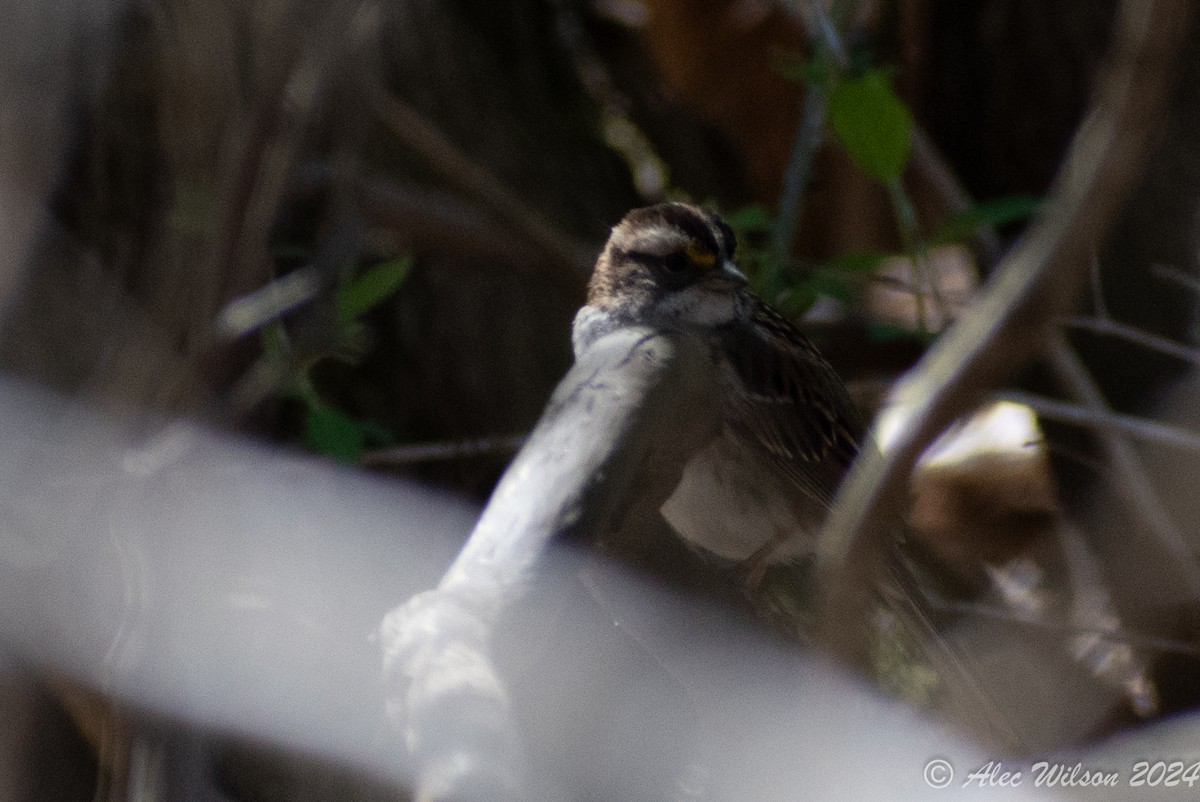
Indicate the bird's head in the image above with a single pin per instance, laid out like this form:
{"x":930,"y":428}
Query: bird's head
{"x":670,"y":263}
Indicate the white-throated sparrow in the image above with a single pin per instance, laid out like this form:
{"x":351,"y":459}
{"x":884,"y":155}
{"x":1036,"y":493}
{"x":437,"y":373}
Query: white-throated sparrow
{"x":760,"y":488}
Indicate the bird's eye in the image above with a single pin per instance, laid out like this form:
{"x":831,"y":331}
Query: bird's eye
{"x":675,"y":270}
{"x":675,"y":264}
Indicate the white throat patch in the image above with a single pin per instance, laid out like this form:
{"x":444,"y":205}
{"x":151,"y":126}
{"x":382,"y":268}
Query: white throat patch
{"x":699,"y":307}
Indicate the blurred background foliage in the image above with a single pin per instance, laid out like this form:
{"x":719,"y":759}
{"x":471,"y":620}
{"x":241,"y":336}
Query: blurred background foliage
{"x":265,"y":155}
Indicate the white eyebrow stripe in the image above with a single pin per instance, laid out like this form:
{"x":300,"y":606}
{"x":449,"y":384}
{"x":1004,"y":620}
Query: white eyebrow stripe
{"x":719,"y":235}
{"x":659,"y":235}
{"x":715,"y":230}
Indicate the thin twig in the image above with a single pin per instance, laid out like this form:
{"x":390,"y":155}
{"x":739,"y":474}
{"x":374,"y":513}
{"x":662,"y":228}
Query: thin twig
{"x":993,"y":613}
{"x":824,"y":24}
{"x":422,"y":137}
{"x":977,"y":706}
{"x":1069,"y":370}
{"x":810,"y":131}
{"x":927,"y":161}
{"x":826,"y":21}
{"x":1113,"y":480}
{"x":439,"y":222}
{"x":1098,"y":290}
{"x":444,"y":451}
{"x":276,"y":133}
{"x":442,"y":222}
{"x":1123,"y":331}
{"x":1105,"y":420}
{"x":1168,"y":273}
{"x":897,"y":283}
{"x":821,"y":23}
{"x":923,"y":276}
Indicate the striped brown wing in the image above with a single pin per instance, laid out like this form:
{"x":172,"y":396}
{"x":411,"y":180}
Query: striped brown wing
{"x":791,"y":405}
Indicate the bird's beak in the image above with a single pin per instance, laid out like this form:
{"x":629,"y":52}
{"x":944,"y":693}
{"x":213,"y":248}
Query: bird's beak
{"x":731,"y":272}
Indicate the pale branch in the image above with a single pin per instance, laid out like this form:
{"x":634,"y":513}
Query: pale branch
{"x":587,"y":463}
{"x":246,"y":314}
{"x":1039,"y":281}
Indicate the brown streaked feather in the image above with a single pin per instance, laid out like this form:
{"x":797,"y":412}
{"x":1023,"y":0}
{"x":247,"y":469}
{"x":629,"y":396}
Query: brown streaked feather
{"x":793,"y":406}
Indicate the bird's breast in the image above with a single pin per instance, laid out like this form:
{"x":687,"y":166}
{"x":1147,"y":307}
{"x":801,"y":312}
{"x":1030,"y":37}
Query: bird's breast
{"x":731,"y":504}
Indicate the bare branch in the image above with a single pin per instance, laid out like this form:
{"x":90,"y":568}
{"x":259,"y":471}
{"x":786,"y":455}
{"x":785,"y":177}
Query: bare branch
{"x":1112,"y":328}
{"x":824,"y":38}
{"x":1103,"y":419}
{"x":1185,"y":280}
{"x":810,"y":132}
{"x":438,"y":222}
{"x":1071,"y":372}
{"x":1097,"y":290}
{"x":423,"y":138}
{"x":930,"y":164}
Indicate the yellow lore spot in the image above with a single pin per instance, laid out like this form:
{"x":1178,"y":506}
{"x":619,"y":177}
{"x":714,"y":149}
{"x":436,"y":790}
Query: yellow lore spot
{"x":700,"y":255}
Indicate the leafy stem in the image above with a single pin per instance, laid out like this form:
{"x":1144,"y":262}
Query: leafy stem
{"x":918,"y":253}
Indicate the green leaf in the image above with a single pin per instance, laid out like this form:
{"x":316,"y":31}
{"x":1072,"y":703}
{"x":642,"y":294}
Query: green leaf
{"x":375,"y":434}
{"x":872,"y":123}
{"x":298,"y":253}
{"x":832,"y":284}
{"x":364,"y":292}
{"x":816,"y":70}
{"x":992,"y":213}
{"x":195,"y":212}
{"x":884,"y":332}
{"x":796,"y":301}
{"x":274,"y":342}
{"x":750,"y":218}
{"x":334,"y":434}
{"x":858,"y":262}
